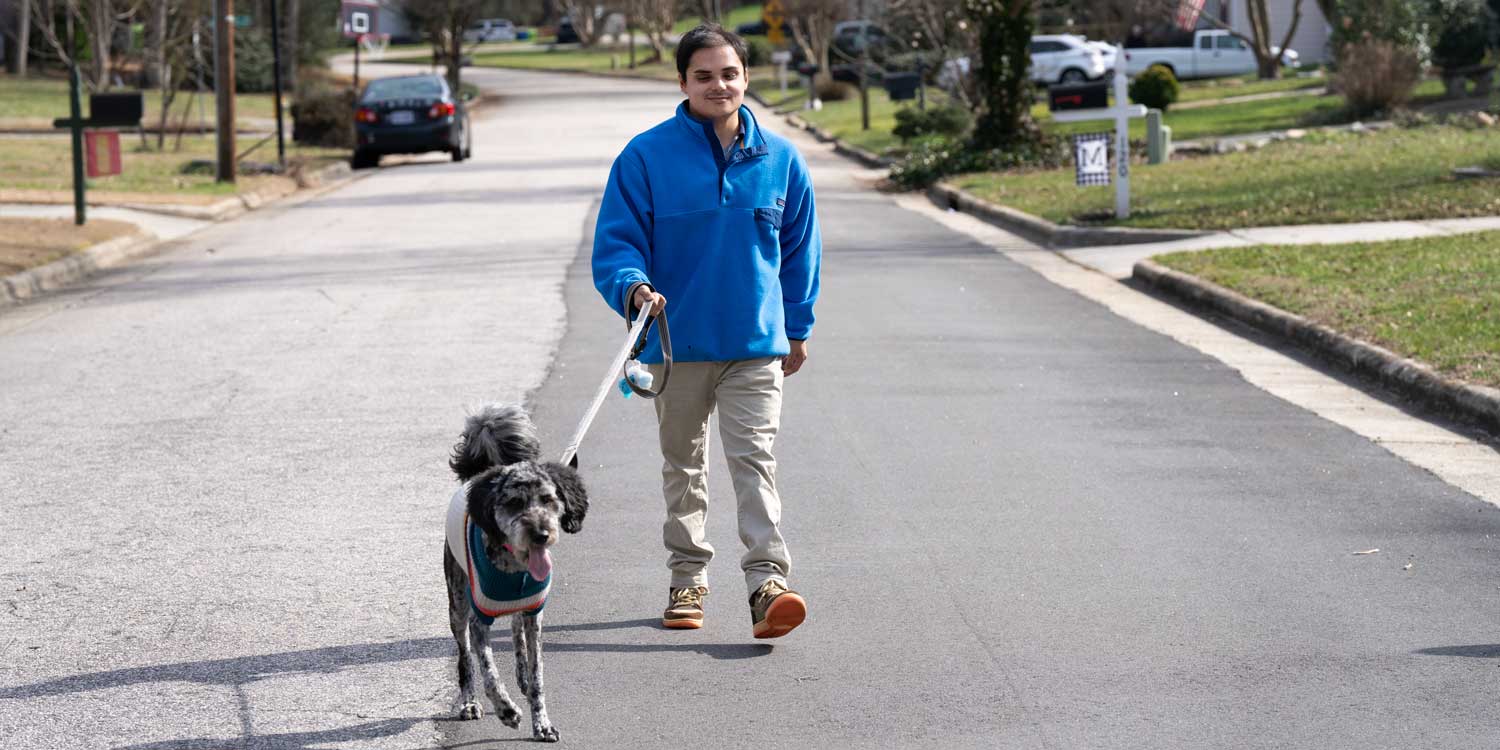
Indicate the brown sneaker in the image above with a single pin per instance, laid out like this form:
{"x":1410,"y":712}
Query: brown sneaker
{"x":776,"y":610}
{"x":684,"y":607}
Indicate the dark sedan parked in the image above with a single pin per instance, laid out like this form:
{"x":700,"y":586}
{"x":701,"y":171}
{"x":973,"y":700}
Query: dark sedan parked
{"x":410,"y":115}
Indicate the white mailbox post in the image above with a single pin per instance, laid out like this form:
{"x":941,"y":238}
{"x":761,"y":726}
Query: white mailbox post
{"x":1121,"y":113}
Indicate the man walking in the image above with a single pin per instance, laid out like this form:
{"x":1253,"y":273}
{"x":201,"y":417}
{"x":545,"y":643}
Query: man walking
{"x":709,"y":212}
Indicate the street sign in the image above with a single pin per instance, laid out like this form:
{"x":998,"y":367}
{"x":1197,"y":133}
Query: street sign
{"x":359,"y":17}
{"x":774,"y":15}
{"x":101,"y":150}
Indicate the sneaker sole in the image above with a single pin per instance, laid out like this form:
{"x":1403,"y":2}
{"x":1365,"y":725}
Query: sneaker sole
{"x":782,"y":617}
{"x":684,"y":624}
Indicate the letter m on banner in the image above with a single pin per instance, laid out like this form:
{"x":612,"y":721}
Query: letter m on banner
{"x":1091,"y":158}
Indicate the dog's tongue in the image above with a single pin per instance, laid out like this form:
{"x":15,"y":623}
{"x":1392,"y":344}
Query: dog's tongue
{"x":540,"y":564}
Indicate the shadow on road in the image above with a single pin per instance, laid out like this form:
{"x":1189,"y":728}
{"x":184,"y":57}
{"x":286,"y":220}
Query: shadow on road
{"x":289,"y":740}
{"x":245,"y":669}
{"x":1480,"y":651}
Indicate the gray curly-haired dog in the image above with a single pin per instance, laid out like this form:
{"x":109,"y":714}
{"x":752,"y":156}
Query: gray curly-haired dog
{"x":501,"y":526}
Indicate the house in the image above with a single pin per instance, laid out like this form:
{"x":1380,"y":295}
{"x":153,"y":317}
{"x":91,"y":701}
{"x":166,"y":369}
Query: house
{"x":1311,"y":39}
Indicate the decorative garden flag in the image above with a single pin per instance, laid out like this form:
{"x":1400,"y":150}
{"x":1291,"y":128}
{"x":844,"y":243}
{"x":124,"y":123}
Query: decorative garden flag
{"x":1091,"y":157}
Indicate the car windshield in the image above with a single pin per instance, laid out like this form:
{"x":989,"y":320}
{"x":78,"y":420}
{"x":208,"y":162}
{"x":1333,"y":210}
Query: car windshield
{"x":403,"y":88}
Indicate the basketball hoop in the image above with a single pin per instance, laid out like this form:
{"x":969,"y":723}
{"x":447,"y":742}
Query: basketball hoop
{"x":375,"y":44}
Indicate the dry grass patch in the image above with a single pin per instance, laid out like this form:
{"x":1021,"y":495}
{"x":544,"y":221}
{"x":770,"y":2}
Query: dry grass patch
{"x":28,"y":243}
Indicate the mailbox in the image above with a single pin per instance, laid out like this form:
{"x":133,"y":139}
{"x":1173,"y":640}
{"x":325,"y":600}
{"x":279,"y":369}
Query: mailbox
{"x":116,"y":110}
{"x":1080,"y":96}
{"x":902,"y":86}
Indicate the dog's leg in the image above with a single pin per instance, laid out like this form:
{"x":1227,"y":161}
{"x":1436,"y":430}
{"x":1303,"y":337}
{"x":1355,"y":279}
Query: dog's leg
{"x":518,"y":639}
{"x":505,"y":708}
{"x":458,"y":621}
{"x":541,"y":727}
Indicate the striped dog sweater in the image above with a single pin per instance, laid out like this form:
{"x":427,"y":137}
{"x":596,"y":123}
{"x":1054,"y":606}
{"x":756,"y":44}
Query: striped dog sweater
{"x":492,"y":592}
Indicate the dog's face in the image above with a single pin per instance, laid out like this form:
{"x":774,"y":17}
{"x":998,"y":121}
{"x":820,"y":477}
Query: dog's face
{"x":528,"y":504}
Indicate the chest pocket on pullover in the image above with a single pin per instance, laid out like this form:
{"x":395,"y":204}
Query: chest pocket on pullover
{"x":771,"y":216}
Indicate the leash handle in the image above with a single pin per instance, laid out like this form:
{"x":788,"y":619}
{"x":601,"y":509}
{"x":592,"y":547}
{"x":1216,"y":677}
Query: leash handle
{"x":665,"y":334}
{"x":634,"y":332}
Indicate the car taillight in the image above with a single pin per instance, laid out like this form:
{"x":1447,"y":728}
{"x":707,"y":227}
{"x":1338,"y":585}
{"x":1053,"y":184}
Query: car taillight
{"x":365,"y":114}
{"x":441,"y":109}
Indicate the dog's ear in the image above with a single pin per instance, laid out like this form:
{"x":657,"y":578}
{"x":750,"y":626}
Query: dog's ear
{"x":484,"y":496}
{"x":575,"y":498}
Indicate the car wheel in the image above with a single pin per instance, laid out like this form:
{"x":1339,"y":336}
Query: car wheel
{"x":364,"y":160}
{"x":1073,"y":75}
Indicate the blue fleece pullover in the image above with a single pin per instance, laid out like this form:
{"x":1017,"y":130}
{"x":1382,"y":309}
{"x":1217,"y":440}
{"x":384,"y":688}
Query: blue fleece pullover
{"x":731,"y":239}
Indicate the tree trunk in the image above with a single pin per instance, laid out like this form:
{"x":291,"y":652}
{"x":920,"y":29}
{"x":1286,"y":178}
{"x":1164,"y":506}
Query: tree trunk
{"x":163,"y":73}
{"x":1002,"y":76}
{"x":23,"y":39}
{"x":455,"y":56}
{"x":101,"y":27}
{"x":290,"y":57}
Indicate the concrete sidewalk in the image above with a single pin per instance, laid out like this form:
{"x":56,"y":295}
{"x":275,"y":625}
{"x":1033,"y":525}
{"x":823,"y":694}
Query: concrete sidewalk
{"x":1118,"y":260}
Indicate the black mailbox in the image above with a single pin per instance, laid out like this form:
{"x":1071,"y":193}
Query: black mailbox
{"x":807,"y":69}
{"x":116,"y":110}
{"x":1080,"y":96}
{"x":902,"y":86}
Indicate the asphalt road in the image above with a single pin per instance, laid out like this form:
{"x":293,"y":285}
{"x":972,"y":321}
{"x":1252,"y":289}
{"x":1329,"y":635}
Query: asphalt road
{"x":1019,"y":520}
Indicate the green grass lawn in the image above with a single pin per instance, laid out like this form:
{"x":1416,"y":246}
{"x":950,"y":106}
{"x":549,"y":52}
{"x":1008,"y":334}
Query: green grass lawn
{"x":597,"y":60}
{"x":742,"y":14}
{"x":34,"y":98}
{"x":43,"y":163}
{"x":1333,"y":177}
{"x":1223,"y":88}
{"x":1432,"y":299}
{"x":842,"y":118}
{"x":1225,"y":119}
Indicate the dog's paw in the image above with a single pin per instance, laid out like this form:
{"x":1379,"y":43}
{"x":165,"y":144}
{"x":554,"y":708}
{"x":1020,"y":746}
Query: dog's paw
{"x":546,"y":733}
{"x":470,"y":711}
{"x":509,"y":716}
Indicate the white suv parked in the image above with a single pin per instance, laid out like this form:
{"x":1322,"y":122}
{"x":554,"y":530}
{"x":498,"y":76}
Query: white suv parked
{"x":1064,"y":58}
{"x":491,"y":30}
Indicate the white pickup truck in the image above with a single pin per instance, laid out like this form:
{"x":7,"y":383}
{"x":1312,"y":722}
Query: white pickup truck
{"x":1214,"y":53}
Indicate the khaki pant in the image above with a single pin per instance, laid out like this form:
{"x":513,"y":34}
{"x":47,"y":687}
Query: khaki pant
{"x":747,"y":395}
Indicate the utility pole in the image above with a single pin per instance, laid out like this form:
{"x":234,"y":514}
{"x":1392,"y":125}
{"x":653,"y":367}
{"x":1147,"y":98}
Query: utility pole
{"x":224,"y":86}
{"x":276,"y":68}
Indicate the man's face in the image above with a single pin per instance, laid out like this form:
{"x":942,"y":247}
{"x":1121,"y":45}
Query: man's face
{"x":715,"y":82}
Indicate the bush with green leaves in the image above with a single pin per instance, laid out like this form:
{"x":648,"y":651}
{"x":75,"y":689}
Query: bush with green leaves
{"x":254,"y":65}
{"x":1462,"y":32}
{"x":1400,"y":22}
{"x":1155,"y":87}
{"x":915,"y":123}
{"x":933,"y":157}
{"x":759,"y":51}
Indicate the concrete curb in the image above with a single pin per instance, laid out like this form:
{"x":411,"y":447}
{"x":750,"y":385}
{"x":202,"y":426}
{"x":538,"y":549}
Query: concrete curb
{"x":863,"y":156}
{"x":1044,"y":232}
{"x":1413,"y":379}
{"x":22,"y":286}
{"x":32,"y":282}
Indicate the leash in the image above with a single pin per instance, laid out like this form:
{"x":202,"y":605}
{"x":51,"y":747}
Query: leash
{"x":630,"y":349}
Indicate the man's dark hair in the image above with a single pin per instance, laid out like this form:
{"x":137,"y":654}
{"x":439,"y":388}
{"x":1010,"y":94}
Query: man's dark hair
{"x":705,"y":36}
